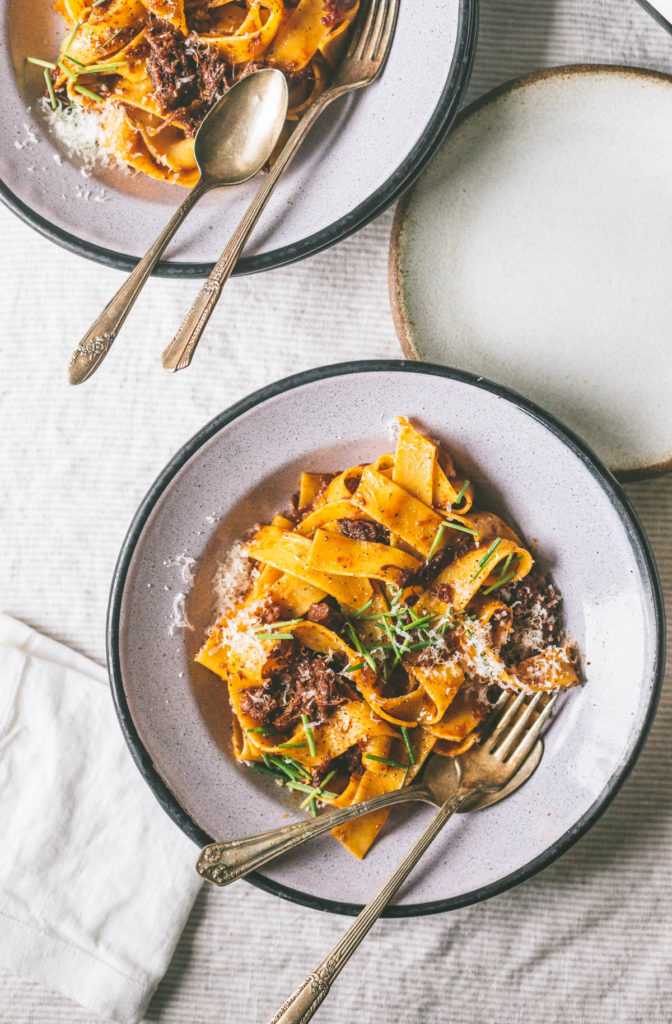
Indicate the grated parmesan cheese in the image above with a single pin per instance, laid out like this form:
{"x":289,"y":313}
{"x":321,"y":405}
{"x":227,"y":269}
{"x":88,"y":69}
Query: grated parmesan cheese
{"x":179,"y":619}
{"x":79,"y":131}
{"x":184,"y":562}
{"x":232,"y":579}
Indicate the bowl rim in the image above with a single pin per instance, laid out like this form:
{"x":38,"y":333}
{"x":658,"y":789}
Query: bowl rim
{"x":584,"y":453}
{"x":395,"y":271}
{"x":402,"y":178}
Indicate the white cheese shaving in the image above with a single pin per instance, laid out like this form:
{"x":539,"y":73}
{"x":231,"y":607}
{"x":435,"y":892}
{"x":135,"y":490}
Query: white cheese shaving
{"x":79,"y":131}
{"x":232,"y":579}
{"x":179,"y":619}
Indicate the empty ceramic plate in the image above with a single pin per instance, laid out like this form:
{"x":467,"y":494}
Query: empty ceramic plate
{"x":537,"y":250}
{"x":243,"y":467}
{"x":362,"y":153}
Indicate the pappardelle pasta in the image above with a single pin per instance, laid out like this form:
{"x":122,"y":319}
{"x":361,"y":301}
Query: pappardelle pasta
{"x":151,"y":69}
{"x":385,"y":615}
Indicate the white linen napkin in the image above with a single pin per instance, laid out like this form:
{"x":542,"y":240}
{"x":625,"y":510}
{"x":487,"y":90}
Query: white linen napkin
{"x":96,"y":882}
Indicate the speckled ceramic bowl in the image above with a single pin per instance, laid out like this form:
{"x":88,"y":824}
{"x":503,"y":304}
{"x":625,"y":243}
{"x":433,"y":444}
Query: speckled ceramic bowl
{"x":535,"y":249}
{"x":364,"y":151}
{"x":239,"y":470}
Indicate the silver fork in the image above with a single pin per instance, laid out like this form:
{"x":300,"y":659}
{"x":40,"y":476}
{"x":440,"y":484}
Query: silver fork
{"x":223,"y":863}
{"x":361,"y":65}
{"x":486,"y":767}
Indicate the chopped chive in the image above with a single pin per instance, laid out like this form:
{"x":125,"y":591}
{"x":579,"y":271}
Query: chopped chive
{"x":269,"y":627}
{"x":72,"y":36}
{"x":79,"y":63}
{"x":50,"y":89}
{"x":407,"y":741}
{"x":506,"y":565}
{"x":420,"y":646}
{"x":41,"y":63}
{"x":259,"y":636}
{"x":266,"y":732}
{"x":319,"y":791}
{"x":267,"y":771}
{"x":98,"y":69}
{"x":355,"y":668}
{"x":264,"y":758}
{"x":303,"y":787}
{"x":97,"y":3}
{"x":364,"y":608}
{"x":437,"y":540}
{"x":385,"y":760}
{"x":403,"y":781}
{"x":490,"y":552}
{"x":291,"y":746}
{"x":421,"y":622}
{"x":289,"y":771}
{"x":297,"y":764}
{"x":309,"y":735}
{"x":71,"y":74}
{"x":500,"y":583}
{"x":360,"y":647}
{"x":461,"y":492}
{"x":107,"y":42}
{"x":464,"y":529}
{"x":312,"y":807}
{"x":88,"y":92}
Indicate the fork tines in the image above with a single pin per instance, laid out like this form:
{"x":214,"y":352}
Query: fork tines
{"x":521,"y":719}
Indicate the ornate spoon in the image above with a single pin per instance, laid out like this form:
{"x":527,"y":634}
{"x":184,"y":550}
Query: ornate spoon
{"x":232,"y":144}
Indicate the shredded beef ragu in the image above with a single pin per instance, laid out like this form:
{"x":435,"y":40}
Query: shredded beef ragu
{"x":188,"y":76}
{"x":349,"y":763}
{"x":307,"y":685}
{"x":326,"y":613}
{"x":535,"y":605}
{"x":364,"y":529}
{"x":334,"y":11}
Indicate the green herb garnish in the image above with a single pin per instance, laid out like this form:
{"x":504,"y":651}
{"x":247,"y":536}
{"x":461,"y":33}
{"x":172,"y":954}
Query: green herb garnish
{"x":386,"y":760}
{"x":461,"y":492}
{"x":407,"y":741}
{"x":437,"y":540}
{"x":50,"y":89}
{"x":309,"y":735}
{"x":41,"y":63}
{"x":88,"y":92}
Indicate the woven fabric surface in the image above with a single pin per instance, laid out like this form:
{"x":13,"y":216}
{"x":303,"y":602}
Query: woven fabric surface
{"x":588,"y":941}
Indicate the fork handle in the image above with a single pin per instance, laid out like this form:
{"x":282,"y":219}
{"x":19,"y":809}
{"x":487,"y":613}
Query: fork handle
{"x":304,"y":1002}
{"x":223,"y":863}
{"x":96,"y":343}
{"x":179,"y":353}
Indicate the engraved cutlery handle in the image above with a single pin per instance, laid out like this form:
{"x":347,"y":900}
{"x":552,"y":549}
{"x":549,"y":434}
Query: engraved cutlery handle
{"x":179,"y":353}
{"x":96,"y":343}
{"x":223,"y":863}
{"x":305,"y":1000}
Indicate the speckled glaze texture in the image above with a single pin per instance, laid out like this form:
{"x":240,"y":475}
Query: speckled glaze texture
{"x":535,"y":250}
{"x":240,"y":470}
{"x":361,"y":154}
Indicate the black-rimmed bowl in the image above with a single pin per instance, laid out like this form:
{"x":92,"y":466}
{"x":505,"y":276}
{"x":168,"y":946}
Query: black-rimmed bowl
{"x":239,"y":470}
{"x":364,"y":151}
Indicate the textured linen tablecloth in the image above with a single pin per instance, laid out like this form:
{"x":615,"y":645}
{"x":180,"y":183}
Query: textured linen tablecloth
{"x":589,"y":939}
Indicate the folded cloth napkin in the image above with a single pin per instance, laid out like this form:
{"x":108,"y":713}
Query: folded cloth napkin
{"x":96,"y":882}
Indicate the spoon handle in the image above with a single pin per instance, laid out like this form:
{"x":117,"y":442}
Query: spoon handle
{"x":223,"y":863}
{"x":180,"y":351}
{"x":97,"y":341}
{"x":305,"y":1000}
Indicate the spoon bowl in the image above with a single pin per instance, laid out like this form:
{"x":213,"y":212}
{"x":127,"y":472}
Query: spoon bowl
{"x":238,"y":135}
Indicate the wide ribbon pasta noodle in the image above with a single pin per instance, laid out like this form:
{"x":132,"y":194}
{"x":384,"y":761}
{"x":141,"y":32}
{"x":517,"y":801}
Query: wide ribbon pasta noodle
{"x":151,"y":69}
{"x":384,"y":619}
